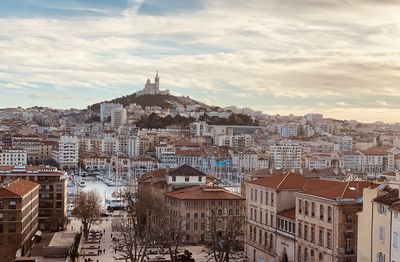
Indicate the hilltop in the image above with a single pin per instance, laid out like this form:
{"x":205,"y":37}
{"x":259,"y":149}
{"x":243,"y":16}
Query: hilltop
{"x":163,"y":101}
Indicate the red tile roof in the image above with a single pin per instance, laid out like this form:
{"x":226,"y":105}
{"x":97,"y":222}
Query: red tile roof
{"x":378,"y":150}
{"x":288,"y":213}
{"x":204,"y":192}
{"x":17,"y":188}
{"x":340,"y":190}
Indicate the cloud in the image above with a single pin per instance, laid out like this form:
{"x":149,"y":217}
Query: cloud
{"x":297,"y":55}
{"x":47,"y":96}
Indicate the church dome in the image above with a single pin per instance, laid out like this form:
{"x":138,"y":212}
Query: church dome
{"x":148,"y":81}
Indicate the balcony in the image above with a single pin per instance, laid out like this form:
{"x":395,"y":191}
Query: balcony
{"x":349,"y":251}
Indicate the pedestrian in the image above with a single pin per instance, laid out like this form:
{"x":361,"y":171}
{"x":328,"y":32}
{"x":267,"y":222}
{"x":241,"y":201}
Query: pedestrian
{"x":104,"y":231}
{"x":115,"y":250}
{"x":104,"y":250}
{"x":111,"y":235}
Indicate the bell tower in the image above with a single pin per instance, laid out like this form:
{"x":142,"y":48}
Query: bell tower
{"x":157,"y":82}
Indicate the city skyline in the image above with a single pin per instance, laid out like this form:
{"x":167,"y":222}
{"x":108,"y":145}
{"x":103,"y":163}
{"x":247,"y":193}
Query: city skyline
{"x":338,"y":58}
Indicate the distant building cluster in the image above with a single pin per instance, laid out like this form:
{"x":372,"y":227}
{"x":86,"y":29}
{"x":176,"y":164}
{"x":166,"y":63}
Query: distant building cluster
{"x":310,"y":188}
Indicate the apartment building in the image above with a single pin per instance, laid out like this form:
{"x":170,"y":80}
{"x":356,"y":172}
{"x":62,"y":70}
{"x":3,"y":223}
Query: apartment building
{"x":19,"y":203}
{"x":288,"y":130}
{"x":380,"y":219}
{"x":244,"y":160}
{"x":52,"y":192}
{"x":286,"y":155}
{"x":326,"y":222}
{"x":13,"y":157}
{"x":118,"y":117}
{"x":105,"y":110}
{"x":32,"y":146}
{"x":67,"y":154}
{"x":195,"y":208}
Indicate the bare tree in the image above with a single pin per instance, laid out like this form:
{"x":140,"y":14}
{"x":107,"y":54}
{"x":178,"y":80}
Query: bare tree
{"x":88,"y":210}
{"x":227,"y":239}
{"x":8,"y":251}
{"x":148,"y":223}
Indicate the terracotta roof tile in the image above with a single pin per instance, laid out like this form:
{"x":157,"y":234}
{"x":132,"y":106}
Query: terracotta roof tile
{"x":340,"y":190}
{"x":17,"y":188}
{"x":204,"y":193}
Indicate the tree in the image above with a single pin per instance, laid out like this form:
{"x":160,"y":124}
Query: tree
{"x":87,"y":209}
{"x":227,"y":239}
{"x":147,"y":223}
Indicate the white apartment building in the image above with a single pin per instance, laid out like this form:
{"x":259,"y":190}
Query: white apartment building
{"x":163,"y":148}
{"x":105,"y":110}
{"x":286,"y":155}
{"x":13,"y":157}
{"x":67,"y":155}
{"x":244,"y":161}
{"x":242,"y":141}
{"x":118,"y":117}
{"x":288,"y":130}
{"x":134,"y":146}
{"x":345,"y":143}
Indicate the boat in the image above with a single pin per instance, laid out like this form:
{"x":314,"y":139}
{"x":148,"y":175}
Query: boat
{"x":82,"y":183}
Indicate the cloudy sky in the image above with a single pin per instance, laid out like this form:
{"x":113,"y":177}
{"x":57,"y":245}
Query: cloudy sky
{"x":338,"y":57}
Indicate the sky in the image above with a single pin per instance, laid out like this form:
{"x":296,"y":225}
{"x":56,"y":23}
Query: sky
{"x":336,"y":57}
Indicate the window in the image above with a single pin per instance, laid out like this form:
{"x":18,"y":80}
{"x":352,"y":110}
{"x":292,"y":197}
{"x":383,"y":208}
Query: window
{"x":312,"y":209}
{"x":261,"y":197}
{"x":59,"y":188}
{"x":380,"y":257}
{"x":300,"y":206}
{"x":187,"y":238}
{"x":382,"y":209}
{"x":320,"y":257}
{"x":251,"y":232}
{"x":272,"y":199}
{"x":321,"y":212}
{"x":305,"y":255}
{"x":200,"y":179}
{"x":271,"y":240}
{"x":173,"y":178}
{"x":260,"y":236}
{"x":251,"y":194}
{"x":187,"y":226}
{"x":186,"y":179}
{"x":306,"y":208}
{"x":203,"y":215}
{"x":395,"y":239}
{"x":349,"y":218}
{"x":395,"y":213}
{"x":329,"y":240}
{"x":260,"y":216}
{"x":321,"y":237}
{"x":266,"y":198}
{"x":312,"y":234}
{"x":1,"y":204}
{"x":220,"y":212}
{"x":329,"y":214}
{"x":196,"y":215}
{"x":187,"y":215}
{"x":203,"y":226}
{"x":12,"y":205}
{"x":299,"y":227}
{"x":1,"y":228}
{"x":237,"y":211}
{"x":349,"y":243}
{"x":1,"y":216}
{"x":12,"y":228}
{"x":272,"y":220}
{"x":195,"y":226}
{"x":381,"y":234}
{"x":202,"y":238}
{"x":255,"y":194}
{"x":265,"y":239}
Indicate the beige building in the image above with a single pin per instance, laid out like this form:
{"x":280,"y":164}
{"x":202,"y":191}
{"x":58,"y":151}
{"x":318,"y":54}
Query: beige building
{"x":194,"y":208}
{"x":19,"y":202}
{"x":377,"y":242}
{"x":326,"y":222}
{"x":52,"y":192}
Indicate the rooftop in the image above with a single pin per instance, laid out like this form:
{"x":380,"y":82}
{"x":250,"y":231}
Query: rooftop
{"x":17,"y":188}
{"x":204,"y":192}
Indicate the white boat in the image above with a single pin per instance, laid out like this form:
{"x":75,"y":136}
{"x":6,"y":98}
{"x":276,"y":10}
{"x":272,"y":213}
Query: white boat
{"x":82,"y":183}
